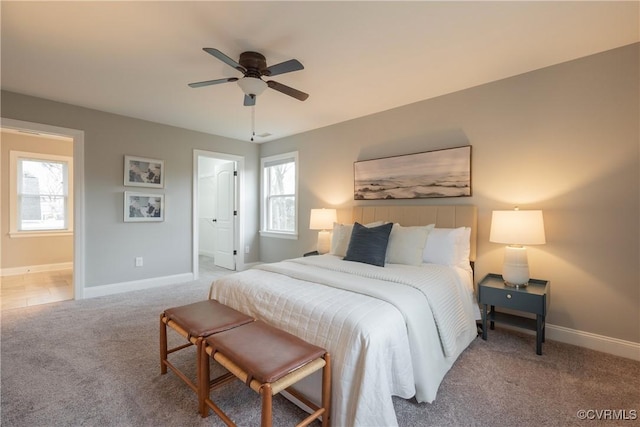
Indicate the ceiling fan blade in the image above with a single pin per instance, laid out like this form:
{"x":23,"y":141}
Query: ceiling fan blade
{"x":249,"y":100}
{"x":213,"y":82}
{"x":224,"y":58}
{"x":283,"y":67}
{"x":288,"y":90}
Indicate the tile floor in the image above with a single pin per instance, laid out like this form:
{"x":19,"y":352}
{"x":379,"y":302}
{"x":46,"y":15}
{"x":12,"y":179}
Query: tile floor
{"x":207,"y":265}
{"x":24,"y":290}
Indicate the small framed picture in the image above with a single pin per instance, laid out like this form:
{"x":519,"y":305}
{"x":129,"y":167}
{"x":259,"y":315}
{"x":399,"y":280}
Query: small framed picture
{"x":143,"y":207}
{"x":142,"y":172}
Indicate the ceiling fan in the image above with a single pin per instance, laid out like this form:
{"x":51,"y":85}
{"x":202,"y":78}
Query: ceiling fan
{"x":254,"y":65}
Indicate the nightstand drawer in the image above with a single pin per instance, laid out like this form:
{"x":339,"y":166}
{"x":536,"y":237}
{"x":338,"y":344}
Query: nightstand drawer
{"x":513,"y":299}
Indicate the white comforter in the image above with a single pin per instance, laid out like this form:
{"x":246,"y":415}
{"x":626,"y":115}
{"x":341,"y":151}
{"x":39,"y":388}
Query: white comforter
{"x":392,"y":331}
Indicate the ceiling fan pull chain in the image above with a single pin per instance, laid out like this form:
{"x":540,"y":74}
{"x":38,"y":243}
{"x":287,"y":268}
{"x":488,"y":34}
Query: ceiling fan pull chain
{"x":253,"y":121}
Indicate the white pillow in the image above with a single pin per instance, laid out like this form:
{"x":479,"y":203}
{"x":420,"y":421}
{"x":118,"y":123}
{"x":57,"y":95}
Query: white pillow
{"x":464,"y":249}
{"x":342,"y":235}
{"x":448,"y":246}
{"x":406,"y":244}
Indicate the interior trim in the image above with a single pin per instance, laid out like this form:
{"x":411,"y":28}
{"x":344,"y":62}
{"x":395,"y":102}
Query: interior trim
{"x":78,"y":190}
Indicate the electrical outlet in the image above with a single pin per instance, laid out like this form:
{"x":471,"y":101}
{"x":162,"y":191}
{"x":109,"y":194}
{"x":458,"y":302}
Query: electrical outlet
{"x":247,"y":249}
{"x":138,"y":261}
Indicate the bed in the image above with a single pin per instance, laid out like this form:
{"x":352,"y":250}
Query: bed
{"x":392,"y":331}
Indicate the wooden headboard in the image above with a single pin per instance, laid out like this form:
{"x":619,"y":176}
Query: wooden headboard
{"x":443,"y":216}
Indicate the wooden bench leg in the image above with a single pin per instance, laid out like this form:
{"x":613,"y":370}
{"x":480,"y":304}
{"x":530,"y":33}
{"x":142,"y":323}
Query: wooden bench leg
{"x":267,"y":401}
{"x":326,"y":391}
{"x":203,"y":380}
{"x":202,"y":376}
{"x":165,"y":351}
{"x":163,"y":345}
{"x":204,"y":387}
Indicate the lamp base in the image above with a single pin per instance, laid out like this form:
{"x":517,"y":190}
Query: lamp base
{"x":516,"y":285}
{"x":324,"y":242}
{"x":515,"y":270}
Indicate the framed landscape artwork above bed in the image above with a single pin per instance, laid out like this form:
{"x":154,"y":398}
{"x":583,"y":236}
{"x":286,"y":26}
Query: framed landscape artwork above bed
{"x":440,"y":173}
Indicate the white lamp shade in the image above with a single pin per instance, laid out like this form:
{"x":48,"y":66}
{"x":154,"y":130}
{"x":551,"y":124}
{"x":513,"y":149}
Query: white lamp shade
{"x":517,"y":227}
{"x":322,"y":219}
{"x":252,"y":85}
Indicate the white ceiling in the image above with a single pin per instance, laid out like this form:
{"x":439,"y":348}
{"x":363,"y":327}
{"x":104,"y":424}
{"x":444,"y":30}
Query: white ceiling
{"x":136,"y":58}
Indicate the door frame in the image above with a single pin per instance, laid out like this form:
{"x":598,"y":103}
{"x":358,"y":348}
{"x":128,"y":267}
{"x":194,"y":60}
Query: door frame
{"x":78,"y":191}
{"x":239,"y":227}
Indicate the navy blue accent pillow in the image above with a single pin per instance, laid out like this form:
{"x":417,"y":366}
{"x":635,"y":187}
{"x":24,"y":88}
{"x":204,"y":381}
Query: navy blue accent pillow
{"x":369,"y":245}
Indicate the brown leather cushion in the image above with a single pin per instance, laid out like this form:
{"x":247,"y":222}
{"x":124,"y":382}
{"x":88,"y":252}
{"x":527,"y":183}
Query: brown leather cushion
{"x":204,"y":318}
{"x":266,"y":353}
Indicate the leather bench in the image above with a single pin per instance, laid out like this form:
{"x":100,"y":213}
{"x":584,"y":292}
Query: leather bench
{"x":268,"y":360}
{"x":195,"y":322}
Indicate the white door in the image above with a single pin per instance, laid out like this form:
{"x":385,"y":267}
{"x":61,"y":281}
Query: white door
{"x":206,"y":206}
{"x":224,"y":216}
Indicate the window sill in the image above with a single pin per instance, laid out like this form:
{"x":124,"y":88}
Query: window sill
{"x":291,"y":236}
{"x":39,"y":233}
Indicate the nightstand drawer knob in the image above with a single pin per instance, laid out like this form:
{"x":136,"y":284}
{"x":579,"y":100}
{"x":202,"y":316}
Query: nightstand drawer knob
{"x":508,"y":296}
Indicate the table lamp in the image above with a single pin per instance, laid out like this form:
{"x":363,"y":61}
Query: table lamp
{"x":516,"y":228}
{"x":323,"y":219}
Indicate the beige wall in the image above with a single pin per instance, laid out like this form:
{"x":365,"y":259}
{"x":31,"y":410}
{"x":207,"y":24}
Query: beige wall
{"x":30,"y":251}
{"x":564,"y":139}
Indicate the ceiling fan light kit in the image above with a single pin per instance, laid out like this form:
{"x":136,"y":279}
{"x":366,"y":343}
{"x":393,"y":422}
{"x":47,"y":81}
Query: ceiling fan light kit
{"x":252,"y":86}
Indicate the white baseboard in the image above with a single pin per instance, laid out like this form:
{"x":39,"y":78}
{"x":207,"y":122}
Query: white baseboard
{"x":136,"y":285}
{"x":35,"y":269}
{"x":615,"y":346}
{"x":207,"y":253}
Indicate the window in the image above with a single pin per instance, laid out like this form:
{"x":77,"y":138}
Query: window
{"x":279,"y":196}
{"x":41,"y":194}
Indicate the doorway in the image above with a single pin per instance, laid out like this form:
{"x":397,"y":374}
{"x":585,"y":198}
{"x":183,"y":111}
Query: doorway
{"x":216,"y":212}
{"x":37,"y":266}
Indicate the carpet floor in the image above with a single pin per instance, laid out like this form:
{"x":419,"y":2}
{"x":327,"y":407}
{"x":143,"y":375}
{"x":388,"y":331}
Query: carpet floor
{"x":95,"y":362}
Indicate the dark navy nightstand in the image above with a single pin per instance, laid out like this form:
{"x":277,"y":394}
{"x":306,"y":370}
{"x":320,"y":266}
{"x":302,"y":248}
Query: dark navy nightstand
{"x":533,"y":299}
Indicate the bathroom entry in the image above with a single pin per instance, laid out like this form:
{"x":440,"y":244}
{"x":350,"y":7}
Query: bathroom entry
{"x":217,"y":213}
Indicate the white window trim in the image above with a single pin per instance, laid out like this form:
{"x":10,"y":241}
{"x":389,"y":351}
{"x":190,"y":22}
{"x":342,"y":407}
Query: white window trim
{"x":13,"y":195}
{"x":263,"y":197}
